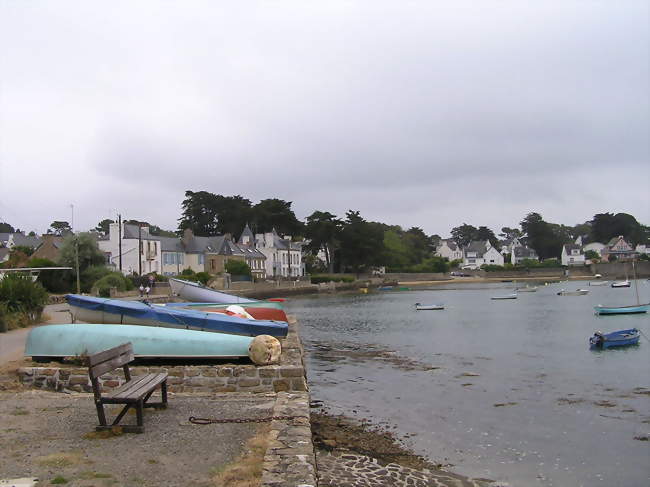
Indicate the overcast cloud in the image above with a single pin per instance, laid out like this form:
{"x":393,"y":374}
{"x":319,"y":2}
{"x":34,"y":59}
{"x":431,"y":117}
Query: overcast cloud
{"x":424,"y":114}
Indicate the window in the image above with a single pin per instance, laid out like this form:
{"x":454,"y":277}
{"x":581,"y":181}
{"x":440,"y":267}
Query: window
{"x":201,"y":259}
{"x":179,"y":258}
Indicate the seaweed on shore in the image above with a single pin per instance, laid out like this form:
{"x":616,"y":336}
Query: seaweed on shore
{"x":340,"y":433}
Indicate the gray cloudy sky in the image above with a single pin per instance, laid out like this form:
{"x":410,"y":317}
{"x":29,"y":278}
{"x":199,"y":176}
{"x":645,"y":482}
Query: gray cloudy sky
{"x":425,"y":114}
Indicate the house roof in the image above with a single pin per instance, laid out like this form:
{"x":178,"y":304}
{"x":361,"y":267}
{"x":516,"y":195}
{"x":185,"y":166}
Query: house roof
{"x":525,"y":252}
{"x":131,"y":231}
{"x":570,"y":247}
{"x":450,"y":243}
{"x":247,"y":232}
{"x":477,"y":246}
{"x":615,"y":240}
{"x":170,"y":244}
{"x":26,"y":241}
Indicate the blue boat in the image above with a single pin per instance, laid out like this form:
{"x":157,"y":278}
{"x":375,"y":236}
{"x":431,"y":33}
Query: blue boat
{"x":621,"y":310}
{"x":75,"y":340}
{"x":89,"y":309}
{"x":621,"y":338}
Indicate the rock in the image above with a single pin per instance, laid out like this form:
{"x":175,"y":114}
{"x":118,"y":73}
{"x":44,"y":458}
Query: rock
{"x":264,"y":350}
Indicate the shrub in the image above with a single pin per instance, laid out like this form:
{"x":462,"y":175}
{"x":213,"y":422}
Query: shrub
{"x":187,"y":272}
{"x":19,"y":295}
{"x":53,"y":281}
{"x":318,"y":278}
{"x":238,"y":268}
{"x":114,"y":279}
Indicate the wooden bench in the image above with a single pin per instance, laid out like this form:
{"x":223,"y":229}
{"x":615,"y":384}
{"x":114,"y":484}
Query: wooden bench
{"x":134,"y":393}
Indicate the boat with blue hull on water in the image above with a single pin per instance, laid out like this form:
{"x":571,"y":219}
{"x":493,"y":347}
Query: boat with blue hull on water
{"x":76,"y":340}
{"x":621,"y":338}
{"x":89,"y":309}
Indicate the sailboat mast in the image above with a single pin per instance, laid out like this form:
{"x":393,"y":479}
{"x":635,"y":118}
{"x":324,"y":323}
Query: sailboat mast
{"x":636,"y":284}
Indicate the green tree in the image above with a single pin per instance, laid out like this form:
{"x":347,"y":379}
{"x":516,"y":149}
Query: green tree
{"x":484,"y":233}
{"x":464,"y":234}
{"x":60,"y":228}
{"x":545,"y":238}
{"x":323,"y":229}
{"x":91,"y":259}
{"x":509,"y":234}
{"x":104,"y":226}
{"x":362,"y":243}
{"x":397,"y":255}
{"x":237,"y":267}
{"x":275,"y":213}
{"x":209,"y":214}
{"x":6,"y":228}
{"x":592,"y":255}
{"x":605,"y":226}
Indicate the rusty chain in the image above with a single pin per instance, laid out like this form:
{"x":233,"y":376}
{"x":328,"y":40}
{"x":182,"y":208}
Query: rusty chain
{"x":195,"y":420}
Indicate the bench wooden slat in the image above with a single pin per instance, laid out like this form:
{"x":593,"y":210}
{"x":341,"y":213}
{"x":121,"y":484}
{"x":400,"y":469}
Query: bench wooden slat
{"x":137,"y":388}
{"x":125,"y":348}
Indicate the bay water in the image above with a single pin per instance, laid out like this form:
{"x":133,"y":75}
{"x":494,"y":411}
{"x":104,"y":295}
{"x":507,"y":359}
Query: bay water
{"x":506,"y":390}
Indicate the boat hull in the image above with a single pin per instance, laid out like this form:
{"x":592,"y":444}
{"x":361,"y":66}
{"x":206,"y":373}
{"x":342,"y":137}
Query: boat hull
{"x":621,"y":284}
{"x":527,"y":290}
{"x":84,"y":339}
{"x":622,"y":310}
{"x":579,"y":292}
{"x":97,"y":310}
{"x":429,"y":307}
{"x":622,"y":338}
{"x":196,"y":292}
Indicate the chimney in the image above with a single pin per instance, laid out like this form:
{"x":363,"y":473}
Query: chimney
{"x":188,"y":235}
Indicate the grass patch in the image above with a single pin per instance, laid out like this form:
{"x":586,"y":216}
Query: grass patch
{"x":95,"y":475}
{"x":60,"y":460}
{"x":58,"y":480}
{"x":152,"y":461}
{"x":246,"y":470}
{"x":19,"y":411}
{"x":104,"y":434}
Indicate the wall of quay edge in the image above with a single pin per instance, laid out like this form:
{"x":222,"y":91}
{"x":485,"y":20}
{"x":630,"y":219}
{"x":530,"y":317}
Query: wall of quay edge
{"x":288,"y":375}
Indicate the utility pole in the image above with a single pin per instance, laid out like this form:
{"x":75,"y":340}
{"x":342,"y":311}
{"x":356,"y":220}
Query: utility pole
{"x":119,"y":238}
{"x":139,"y":250}
{"x":76,"y":249}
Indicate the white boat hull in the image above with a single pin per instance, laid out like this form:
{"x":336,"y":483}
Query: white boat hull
{"x":192,"y":291}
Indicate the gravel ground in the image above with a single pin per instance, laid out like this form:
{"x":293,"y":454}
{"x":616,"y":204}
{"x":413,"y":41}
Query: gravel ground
{"x":46,"y":435}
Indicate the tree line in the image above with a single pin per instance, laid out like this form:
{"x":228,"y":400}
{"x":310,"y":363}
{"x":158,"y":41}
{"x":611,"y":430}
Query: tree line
{"x":354,"y":244}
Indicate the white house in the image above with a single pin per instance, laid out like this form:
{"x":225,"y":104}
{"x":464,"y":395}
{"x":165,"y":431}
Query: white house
{"x":283,"y":257}
{"x":595,"y":246}
{"x":521,"y":253}
{"x":642,"y":249}
{"x":449,"y":250}
{"x":572,"y":254}
{"x":141,"y":252}
{"x":510,"y":245}
{"x":480,"y":252}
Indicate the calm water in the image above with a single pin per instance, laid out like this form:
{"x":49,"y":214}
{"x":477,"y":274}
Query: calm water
{"x":507,"y":390}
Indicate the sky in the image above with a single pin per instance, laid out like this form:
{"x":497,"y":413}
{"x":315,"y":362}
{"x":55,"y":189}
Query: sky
{"x":428,"y":114}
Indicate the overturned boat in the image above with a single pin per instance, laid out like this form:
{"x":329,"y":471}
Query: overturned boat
{"x":428,"y":307}
{"x":193,"y":291}
{"x":577,"y":292}
{"x":115,"y":311}
{"x":259,"y":310}
{"x":75,"y":340}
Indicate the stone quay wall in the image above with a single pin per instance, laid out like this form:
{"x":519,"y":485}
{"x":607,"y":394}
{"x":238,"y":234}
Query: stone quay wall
{"x":288,"y":375}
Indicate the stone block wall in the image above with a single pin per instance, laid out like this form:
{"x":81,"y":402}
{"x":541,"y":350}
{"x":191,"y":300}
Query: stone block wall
{"x":288,"y":375}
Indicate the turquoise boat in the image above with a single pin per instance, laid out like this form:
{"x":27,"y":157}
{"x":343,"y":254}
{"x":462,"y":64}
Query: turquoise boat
{"x":72,"y":340}
{"x":621,"y":310}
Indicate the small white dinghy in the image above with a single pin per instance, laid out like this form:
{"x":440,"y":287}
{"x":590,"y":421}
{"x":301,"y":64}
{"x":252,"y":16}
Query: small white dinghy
{"x":426,"y":307}
{"x":506,"y":296}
